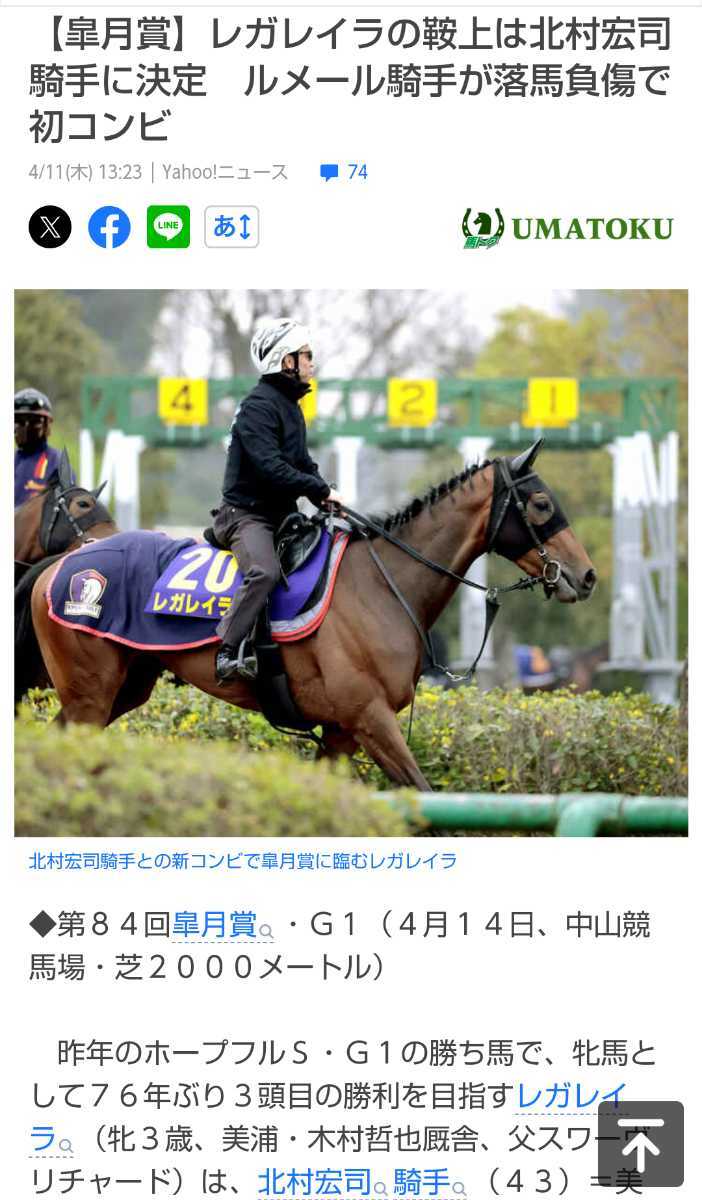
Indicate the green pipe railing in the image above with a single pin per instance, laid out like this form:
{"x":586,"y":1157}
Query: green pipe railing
{"x":575,"y":814}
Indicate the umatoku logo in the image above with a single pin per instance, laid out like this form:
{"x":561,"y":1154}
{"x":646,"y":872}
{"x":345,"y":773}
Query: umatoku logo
{"x":482,"y":230}
{"x":593,"y":229}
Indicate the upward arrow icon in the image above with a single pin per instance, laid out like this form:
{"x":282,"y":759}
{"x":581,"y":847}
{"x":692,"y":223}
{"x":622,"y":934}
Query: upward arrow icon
{"x":641,"y":1143}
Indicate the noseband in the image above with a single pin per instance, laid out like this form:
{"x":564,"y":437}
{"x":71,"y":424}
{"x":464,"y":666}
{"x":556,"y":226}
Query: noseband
{"x":57,"y":521}
{"x":508,"y":494}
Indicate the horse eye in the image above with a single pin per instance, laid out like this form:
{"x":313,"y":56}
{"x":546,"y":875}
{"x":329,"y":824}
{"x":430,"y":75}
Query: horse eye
{"x":84,"y":504}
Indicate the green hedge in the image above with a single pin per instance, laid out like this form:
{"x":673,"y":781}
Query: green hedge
{"x":91,"y":783}
{"x":499,"y":741}
{"x":469,"y":741}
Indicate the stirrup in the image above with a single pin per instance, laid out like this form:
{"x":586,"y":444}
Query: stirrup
{"x":246,"y":663}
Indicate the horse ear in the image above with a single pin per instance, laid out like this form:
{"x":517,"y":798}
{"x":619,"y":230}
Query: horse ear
{"x":65,"y":473}
{"x":96,"y":491}
{"x":526,"y":459}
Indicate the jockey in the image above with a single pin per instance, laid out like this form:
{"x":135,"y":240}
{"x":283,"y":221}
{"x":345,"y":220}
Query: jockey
{"x":35,"y":459}
{"x":268,"y":467}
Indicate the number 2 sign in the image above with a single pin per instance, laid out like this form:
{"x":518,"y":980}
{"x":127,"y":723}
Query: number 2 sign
{"x":412,"y":402}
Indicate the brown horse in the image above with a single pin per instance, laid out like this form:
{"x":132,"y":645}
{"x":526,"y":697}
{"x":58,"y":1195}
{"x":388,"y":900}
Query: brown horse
{"x":58,"y":519}
{"x":361,"y":666}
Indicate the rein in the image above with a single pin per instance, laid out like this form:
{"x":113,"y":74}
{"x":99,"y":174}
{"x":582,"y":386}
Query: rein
{"x":550,"y":572}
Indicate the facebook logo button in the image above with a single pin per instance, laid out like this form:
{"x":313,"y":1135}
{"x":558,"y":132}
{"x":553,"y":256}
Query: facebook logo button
{"x":109,"y":227}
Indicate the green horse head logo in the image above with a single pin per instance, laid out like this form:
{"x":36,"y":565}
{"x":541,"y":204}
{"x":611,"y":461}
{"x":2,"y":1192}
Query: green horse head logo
{"x":482,"y":228}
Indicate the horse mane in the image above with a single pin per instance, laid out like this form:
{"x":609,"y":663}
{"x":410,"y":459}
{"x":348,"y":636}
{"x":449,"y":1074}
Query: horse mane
{"x":403,"y":516}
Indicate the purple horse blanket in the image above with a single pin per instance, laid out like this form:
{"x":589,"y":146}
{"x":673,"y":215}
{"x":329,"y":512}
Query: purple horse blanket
{"x":151,"y":592}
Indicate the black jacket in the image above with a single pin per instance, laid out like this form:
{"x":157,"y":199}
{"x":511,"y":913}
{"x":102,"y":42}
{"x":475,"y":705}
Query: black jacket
{"x":268,"y":464}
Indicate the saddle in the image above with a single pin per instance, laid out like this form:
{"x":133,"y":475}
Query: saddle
{"x":295,"y":540}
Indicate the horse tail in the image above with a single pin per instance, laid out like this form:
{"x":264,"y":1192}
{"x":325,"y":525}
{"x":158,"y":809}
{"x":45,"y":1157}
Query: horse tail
{"x":29,"y":664}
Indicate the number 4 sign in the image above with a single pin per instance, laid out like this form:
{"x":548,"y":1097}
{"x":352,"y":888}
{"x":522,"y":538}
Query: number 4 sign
{"x":412,"y":402}
{"x":182,"y":401}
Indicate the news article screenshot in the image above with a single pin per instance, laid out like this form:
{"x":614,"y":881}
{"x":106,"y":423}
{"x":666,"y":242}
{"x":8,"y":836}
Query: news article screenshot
{"x":346,"y":850}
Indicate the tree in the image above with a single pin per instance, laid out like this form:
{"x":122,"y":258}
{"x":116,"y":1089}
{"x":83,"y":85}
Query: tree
{"x":54,"y":349}
{"x":528,"y":343}
{"x":359,"y":334}
{"x":126,"y":321}
{"x":655,"y":329}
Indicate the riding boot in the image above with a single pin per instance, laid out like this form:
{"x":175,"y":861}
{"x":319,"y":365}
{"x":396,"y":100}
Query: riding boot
{"x":250,"y":538}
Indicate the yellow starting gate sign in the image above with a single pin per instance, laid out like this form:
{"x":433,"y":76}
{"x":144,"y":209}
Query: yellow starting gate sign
{"x":308,"y":403}
{"x":412,"y":402}
{"x":551,"y":403}
{"x":182,"y":401}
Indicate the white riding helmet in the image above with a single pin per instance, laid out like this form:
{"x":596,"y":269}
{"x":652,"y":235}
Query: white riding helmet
{"x":273,"y":341}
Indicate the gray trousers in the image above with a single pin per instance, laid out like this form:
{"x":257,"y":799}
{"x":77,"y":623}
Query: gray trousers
{"x":250,"y":538}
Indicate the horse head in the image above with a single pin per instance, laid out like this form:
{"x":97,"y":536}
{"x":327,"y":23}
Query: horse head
{"x":528,"y":526}
{"x":59,"y":517}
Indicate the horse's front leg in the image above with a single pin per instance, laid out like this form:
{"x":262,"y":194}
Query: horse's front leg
{"x":379,"y":733}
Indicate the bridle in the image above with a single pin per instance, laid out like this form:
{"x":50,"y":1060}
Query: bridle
{"x":551,"y":569}
{"x":56,"y":515}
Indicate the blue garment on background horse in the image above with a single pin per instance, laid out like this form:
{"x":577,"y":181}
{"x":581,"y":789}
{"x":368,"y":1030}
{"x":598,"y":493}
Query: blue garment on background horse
{"x":33,"y":471}
{"x":533,"y":667}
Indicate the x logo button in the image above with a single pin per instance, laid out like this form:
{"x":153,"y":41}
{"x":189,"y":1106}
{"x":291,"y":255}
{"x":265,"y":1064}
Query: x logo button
{"x":50,"y":227}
